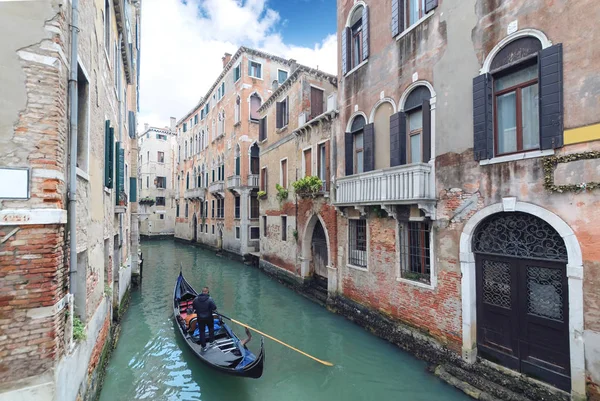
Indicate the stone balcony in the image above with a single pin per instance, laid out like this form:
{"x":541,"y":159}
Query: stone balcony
{"x":235,"y":181}
{"x":196,"y":193}
{"x":407,"y":184}
{"x":216,"y":187}
{"x":253,"y":180}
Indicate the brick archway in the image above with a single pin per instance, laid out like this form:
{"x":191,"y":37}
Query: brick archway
{"x":306,"y":256}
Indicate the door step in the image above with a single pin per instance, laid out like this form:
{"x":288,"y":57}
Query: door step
{"x":487,"y":384}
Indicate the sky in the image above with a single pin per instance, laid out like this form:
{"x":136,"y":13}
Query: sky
{"x":183,"y":41}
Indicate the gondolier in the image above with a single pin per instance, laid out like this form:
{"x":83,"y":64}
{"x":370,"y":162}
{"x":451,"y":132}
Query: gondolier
{"x":205,"y":306}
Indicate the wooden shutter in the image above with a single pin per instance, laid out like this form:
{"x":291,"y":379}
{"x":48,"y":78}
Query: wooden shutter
{"x":132,"y":124}
{"x":426,"y":131}
{"x":120,"y":176}
{"x":395,"y":17}
{"x":369,"y":138}
{"x":262,"y":129}
{"x":345,"y":51}
{"x":279,"y":122}
{"x":308,"y":162}
{"x":284,"y":173}
{"x":349,"y":153}
{"x":483,"y":133}
{"x":327,"y":165}
{"x":430,"y":5}
{"x":316,"y":102}
{"x":132,"y":189}
{"x":365,"y":32}
{"x":551,"y":97}
{"x":397,"y":139}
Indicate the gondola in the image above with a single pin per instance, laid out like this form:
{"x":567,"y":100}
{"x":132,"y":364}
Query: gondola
{"x":228,"y":354}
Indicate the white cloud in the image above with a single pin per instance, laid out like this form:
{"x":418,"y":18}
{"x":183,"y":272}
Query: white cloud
{"x":182,"y":46}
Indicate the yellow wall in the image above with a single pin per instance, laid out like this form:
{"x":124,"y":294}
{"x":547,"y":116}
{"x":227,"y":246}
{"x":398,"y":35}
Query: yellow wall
{"x":582,"y":134}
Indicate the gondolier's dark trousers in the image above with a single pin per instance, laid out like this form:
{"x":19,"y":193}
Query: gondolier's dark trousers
{"x":202,"y":323}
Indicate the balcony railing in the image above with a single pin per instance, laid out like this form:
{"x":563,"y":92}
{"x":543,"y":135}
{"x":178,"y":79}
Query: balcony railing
{"x":216,"y":187}
{"x":402,"y":184}
{"x":234,"y":182}
{"x":196,"y":193}
{"x":253,"y":180}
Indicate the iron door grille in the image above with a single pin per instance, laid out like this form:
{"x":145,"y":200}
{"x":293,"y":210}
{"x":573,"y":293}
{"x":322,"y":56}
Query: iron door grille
{"x":357,"y":242}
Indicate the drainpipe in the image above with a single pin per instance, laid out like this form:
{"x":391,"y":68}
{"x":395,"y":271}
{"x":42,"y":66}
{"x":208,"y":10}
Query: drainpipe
{"x":73,"y":151}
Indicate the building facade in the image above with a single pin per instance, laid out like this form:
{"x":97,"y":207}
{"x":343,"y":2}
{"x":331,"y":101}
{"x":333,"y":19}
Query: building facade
{"x":466,"y":179}
{"x":68,"y":219}
{"x":218,"y":157}
{"x":298,"y":222}
{"x":155,"y":181}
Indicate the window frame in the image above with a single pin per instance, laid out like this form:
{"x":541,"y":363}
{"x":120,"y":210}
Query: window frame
{"x":164,"y":201}
{"x":264,"y":226}
{"x":402,"y":225}
{"x":250,"y":233}
{"x":163,"y":179}
{"x":322,"y":164}
{"x":237,"y":233}
{"x":84,"y":169}
{"x":107,"y":24}
{"x":264,"y":179}
{"x":254,"y":206}
{"x":250,"y":66}
{"x":237,"y":68}
{"x":356,"y":151}
{"x":349,"y":244}
{"x":356,"y":34}
{"x":281,"y":170}
{"x":284,"y":228}
{"x":286,"y":76}
{"x":237,"y":207}
{"x":517,"y":89}
{"x":407,"y":9}
{"x":158,"y":156}
{"x":304,"y":151}
{"x":410,"y":134}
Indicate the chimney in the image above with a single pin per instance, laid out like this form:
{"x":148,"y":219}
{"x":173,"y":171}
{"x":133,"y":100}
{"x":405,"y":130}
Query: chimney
{"x":275,"y":85}
{"x":226,"y":58}
{"x":173,"y":123}
{"x":293,"y":66}
{"x":146,"y":127}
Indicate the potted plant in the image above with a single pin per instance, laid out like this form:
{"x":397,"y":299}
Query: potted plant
{"x":122,"y":198}
{"x":282,"y":193}
{"x":146,"y":201}
{"x":262,"y":194}
{"x":308,"y":186}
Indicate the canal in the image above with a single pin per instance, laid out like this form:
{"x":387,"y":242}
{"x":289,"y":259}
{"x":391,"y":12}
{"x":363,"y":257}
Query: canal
{"x":151,"y":363}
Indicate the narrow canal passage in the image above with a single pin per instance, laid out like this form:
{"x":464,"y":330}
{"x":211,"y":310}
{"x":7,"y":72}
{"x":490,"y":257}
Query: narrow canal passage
{"x":152,"y":363}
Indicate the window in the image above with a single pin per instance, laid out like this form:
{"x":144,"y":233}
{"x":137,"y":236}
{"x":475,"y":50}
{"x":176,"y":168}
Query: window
{"x":255,"y":103}
{"x":238,"y":110}
{"x":161,"y":182}
{"x":237,"y":207}
{"x":160,"y":201}
{"x":221,"y":126}
{"x":206,"y":210}
{"x":161,"y":137}
{"x":161,"y":216}
{"x":187,"y":180}
{"x":264,"y":219}
{"x":107,"y":26}
{"x":255,"y":69}
{"x":415,"y":131}
{"x":323,"y":164}
{"x":213,"y":229}
{"x":186,"y":209}
{"x":238,"y":160}
{"x":282,"y":113}
{"x":254,"y":207}
{"x":185,"y":155}
{"x":354,"y":143}
{"x":357,"y":242}
{"x":415,"y":261}
{"x":359,"y":156}
{"x":147,"y":181}
{"x":316,"y":102}
{"x":184,"y":127}
{"x":356,"y":38}
{"x":414,"y":11}
{"x":254,"y":159}
{"x":177,"y":210}
{"x":282,"y":75}
{"x":284,"y":228}
{"x":212,"y":209}
{"x":263,"y":180}
{"x":220,"y":208}
{"x":284,"y":173}
{"x":237,"y":72}
{"x":254,"y":232}
{"x":82,"y":119}
{"x":237,"y":232}
{"x":161,"y":157}
{"x":221,"y":91}
{"x":516,"y":109}
{"x":196,"y":119}
{"x":201,"y":228}
{"x":307,"y":157}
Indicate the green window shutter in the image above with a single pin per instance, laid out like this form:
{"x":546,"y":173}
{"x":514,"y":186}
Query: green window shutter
{"x":107,"y":142}
{"x":132,"y":189}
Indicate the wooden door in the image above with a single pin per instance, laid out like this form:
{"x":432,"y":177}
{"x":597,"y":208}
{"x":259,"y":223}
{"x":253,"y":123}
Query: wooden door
{"x":316,"y":102}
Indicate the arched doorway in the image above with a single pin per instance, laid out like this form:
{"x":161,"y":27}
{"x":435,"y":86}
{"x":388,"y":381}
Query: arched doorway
{"x":522,"y":296}
{"x":195,"y":228}
{"x":319,"y":253}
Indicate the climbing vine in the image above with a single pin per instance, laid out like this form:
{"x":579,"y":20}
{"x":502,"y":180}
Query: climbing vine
{"x":550,"y":164}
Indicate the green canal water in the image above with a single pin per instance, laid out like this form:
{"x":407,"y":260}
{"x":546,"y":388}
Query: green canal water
{"x":151,"y":362}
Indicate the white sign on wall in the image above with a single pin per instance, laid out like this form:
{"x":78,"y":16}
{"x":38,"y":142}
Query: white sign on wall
{"x":14,"y":183}
{"x":512,"y":27}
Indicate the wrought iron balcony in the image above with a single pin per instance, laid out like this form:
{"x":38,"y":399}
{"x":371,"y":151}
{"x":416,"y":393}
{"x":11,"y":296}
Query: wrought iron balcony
{"x":234,"y":182}
{"x":216,"y":187}
{"x":405,"y":184}
{"x":253,"y":180}
{"x":196,"y":193}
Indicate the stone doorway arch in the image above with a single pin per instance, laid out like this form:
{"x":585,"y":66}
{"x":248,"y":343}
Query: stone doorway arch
{"x":314,"y":226}
{"x":574,"y":273}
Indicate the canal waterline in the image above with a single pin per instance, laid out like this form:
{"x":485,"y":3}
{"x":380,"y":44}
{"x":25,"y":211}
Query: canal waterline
{"x":151,"y":362}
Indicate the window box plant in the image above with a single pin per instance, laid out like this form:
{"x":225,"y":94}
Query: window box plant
{"x":309,"y":186}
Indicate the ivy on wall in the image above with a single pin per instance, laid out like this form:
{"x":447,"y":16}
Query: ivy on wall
{"x":550,"y":164}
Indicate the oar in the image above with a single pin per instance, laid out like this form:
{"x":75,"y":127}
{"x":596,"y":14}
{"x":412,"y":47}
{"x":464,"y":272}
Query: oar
{"x":276,"y":340}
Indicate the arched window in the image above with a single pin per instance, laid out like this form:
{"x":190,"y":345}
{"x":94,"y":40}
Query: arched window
{"x":255,"y":103}
{"x":355,"y":39}
{"x":187,"y":181}
{"x":254,"y":159}
{"x":201,"y":177}
{"x":416,"y":131}
{"x":238,"y":166}
{"x":381,"y":121}
{"x":355,"y":160}
{"x":186,"y":151}
{"x":197,"y":143}
{"x":238,"y":109}
{"x":195,"y":180}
